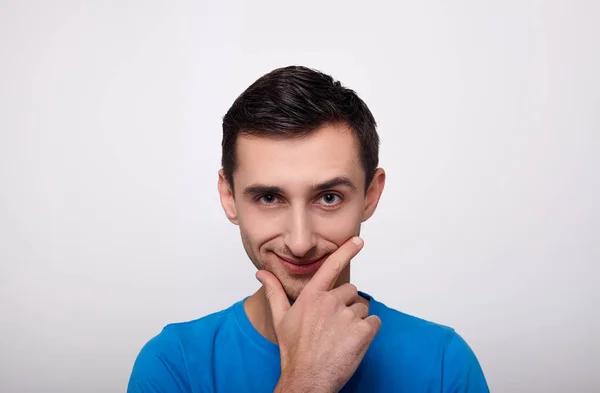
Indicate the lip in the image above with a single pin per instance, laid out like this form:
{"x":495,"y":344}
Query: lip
{"x":301,"y":267}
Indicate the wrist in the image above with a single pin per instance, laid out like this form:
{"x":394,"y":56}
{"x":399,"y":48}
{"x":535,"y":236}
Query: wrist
{"x":290,"y":382}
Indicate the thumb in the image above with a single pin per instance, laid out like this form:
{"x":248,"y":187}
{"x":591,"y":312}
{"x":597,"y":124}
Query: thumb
{"x":278,"y":301}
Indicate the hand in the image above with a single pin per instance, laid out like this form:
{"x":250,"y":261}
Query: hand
{"x":326,"y":333}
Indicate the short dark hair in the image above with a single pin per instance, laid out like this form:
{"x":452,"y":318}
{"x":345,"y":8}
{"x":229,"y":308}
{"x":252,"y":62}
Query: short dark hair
{"x":291,"y":102}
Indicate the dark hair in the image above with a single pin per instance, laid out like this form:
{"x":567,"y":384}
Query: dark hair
{"x":293,"y":101}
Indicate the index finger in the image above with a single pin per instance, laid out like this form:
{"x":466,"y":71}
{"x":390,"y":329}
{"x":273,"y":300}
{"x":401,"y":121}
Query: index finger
{"x":328,"y":273}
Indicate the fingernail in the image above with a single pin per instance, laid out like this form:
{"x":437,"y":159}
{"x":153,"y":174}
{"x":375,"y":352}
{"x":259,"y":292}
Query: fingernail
{"x":357,"y":240}
{"x":257,"y":277}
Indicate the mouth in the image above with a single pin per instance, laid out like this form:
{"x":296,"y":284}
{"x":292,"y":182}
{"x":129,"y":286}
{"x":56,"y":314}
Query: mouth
{"x":301,"y":267}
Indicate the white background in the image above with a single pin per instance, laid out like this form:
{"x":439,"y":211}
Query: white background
{"x":110,"y":130}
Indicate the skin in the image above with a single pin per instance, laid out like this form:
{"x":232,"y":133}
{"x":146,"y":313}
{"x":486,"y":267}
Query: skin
{"x":297,"y":221}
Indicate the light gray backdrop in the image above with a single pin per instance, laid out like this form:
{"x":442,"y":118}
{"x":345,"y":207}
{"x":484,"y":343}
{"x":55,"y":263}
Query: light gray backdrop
{"x":110,"y":225}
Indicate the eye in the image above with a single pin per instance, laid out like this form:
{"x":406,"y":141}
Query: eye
{"x":330,"y":199}
{"x":268,"y":199}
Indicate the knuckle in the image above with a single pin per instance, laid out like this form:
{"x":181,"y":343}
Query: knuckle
{"x":330,"y":300}
{"x":376,"y":325}
{"x":348,"y":314}
{"x":369,"y":328}
{"x":363,"y":309}
{"x":269,"y":294}
{"x":365,"y":328}
{"x":336,"y":265}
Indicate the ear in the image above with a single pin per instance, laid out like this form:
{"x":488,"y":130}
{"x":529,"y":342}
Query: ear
{"x":373,"y":194}
{"x":226,"y":195}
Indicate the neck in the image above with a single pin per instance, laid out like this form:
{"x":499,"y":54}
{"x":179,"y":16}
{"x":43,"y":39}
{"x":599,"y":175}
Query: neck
{"x":259,"y":313}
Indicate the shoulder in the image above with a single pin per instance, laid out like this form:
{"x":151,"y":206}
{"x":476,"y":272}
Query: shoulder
{"x":164,"y":362}
{"x":461,"y":369}
{"x":397,"y":325}
{"x":176,"y":337}
{"x":431,"y":345}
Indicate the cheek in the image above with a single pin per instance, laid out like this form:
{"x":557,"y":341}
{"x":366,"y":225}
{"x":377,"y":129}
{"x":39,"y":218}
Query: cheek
{"x":339,"y":226}
{"x":259,"y":226}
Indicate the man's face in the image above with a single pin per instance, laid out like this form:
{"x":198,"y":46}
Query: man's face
{"x":297,"y":200}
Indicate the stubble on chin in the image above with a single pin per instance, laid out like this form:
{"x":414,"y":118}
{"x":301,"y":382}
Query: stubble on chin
{"x":293,"y":287}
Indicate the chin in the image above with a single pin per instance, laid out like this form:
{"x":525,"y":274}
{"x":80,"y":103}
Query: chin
{"x":293,"y":286}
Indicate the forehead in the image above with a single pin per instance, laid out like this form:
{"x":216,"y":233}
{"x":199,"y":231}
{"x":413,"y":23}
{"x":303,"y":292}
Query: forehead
{"x":328,"y":152}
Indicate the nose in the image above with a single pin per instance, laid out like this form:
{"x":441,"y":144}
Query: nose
{"x":299,"y":236}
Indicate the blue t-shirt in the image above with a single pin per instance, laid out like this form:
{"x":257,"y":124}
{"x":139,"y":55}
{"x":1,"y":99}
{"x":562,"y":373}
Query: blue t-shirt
{"x":223,"y":352}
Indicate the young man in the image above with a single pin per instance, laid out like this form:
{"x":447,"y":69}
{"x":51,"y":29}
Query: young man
{"x":299,"y":176}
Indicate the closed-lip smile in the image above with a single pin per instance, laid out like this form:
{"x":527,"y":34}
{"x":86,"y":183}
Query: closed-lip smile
{"x":302,"y":266}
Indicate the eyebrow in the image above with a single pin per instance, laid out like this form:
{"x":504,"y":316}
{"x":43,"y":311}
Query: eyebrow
{"x":335,"y":182}
{"x":257,"y":189}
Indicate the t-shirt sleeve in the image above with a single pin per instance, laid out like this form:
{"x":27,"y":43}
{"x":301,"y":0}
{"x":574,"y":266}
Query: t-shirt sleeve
{"x":159,"y":368}
{"x":461,"y":370}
